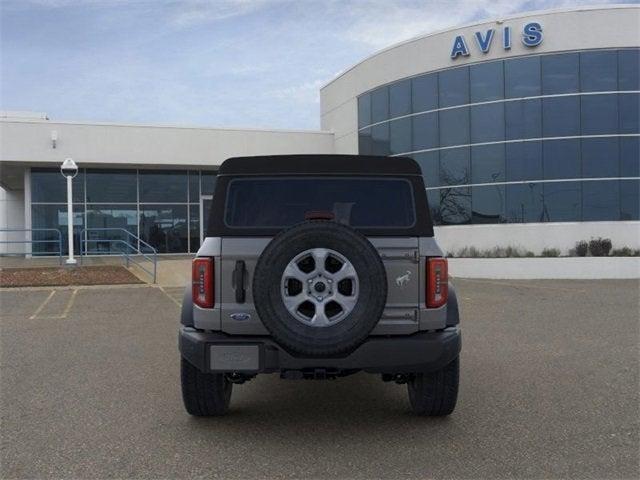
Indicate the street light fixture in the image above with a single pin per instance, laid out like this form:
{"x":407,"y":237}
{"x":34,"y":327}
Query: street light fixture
{"x":69,"y":169}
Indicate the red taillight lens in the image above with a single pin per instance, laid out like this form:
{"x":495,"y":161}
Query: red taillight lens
{"x":437,"y":282}
{"x":202,"y":282}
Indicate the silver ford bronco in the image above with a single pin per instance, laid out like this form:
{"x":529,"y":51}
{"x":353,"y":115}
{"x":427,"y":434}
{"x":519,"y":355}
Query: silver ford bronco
{"x":319,"y":266}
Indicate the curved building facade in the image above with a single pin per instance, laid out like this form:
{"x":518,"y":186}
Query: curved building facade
{"x":532,"y":120}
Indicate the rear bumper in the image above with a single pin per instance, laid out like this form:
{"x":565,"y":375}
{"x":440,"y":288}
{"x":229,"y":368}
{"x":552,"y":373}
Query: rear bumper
{"x":219,"y":352}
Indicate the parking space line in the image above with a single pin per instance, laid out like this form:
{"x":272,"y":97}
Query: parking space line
{"x":42,"y":305}
{"x":69,"y":304}
{"x":170,"y":297}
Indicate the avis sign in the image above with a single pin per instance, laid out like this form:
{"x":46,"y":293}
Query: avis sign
{"x":531,"y":37}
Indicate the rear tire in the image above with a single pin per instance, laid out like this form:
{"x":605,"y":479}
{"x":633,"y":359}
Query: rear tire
{"x":435,"y":394}
{"x":204,"y":394}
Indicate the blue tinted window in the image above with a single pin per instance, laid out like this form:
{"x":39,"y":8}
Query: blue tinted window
{"x":522,"y":77}
{"x":455,"y":206}
{"x":424,"y":92}
{"x":112,"y":217}
{"x":599,"y":114}
{"x":600,"y":157}
{"x":560,"y":73}
{"x":454,"y":127}
{"x":48,"y":185}
{"x":105,"y":186}
{"x":601,"y":200}
{"x":163,"y":186}
{"x":524,"y":203}
{"x":487,"y":123}
{"x":629,"y":200}
{"x":629,"y":111}
{"x":523,"y":119}
{"x":425,"y":131}
{"x":629,"y":69}
{"x":429,"y":164}
{"x":488,"y":204}
{"x":54,"y":216}
{"x":380,"y":139}
{"x":630,"y":157}
{"x":208,"y":181}
{"x":379,"y":105}
{"x":598,"y":71}
{"x":487,"y":163}
{"x":165,"y":227}
{"x":194,"y":187}
{"x":454,"y":166}
{"x":365,"y":145}
{"x":400,"y":135}
{"x":523,"y":161}
{"x":562,"y":201}
{"x":400,"y":98}
{"x":364,"y":110}
{"x":561,"y":116}
{"x":561,"y":159}
{"x":454,"y":87}
{"x":194,"y":227}
{"x":433,"y":198}
{"x":487,"y":81}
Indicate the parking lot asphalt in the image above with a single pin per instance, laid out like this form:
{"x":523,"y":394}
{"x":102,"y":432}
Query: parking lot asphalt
{"x":549,"y":389}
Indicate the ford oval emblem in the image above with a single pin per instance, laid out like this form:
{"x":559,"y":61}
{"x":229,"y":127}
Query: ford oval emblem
{"x":240,"y":317}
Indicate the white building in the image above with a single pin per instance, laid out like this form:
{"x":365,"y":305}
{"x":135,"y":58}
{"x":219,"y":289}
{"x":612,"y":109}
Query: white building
{"x":526,"y":129}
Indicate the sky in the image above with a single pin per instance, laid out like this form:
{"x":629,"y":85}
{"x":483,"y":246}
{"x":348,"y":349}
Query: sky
{"x":216,"y":63}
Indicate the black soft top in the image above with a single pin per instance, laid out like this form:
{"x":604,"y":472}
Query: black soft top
{"x":319,"y":164}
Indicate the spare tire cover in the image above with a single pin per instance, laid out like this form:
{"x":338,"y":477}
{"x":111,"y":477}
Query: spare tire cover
{"x":319,"y":288}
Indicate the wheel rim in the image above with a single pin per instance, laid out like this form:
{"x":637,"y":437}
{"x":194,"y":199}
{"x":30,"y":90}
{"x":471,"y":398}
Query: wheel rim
{"x":319,"y":287}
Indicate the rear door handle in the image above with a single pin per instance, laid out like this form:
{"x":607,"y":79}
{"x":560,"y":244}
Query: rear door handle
{"x":238,"y":281}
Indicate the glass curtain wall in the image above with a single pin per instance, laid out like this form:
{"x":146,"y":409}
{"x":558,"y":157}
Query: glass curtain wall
{"x":541,"y":138}
{"x":114,"y":206}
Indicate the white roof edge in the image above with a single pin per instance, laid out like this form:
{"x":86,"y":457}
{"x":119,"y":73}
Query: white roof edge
{"x":142,"y":125}
{"x":612,"y":6}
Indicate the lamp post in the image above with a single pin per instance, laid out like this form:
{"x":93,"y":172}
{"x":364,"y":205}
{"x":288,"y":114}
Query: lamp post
{"x":69,"y":169}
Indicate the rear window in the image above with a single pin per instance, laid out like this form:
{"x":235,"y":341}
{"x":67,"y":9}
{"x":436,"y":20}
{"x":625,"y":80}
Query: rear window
{"x":284,"y":201}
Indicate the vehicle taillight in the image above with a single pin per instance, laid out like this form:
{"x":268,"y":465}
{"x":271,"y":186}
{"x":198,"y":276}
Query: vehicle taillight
{"x":202,"y":282}
{"x":437,"y":282}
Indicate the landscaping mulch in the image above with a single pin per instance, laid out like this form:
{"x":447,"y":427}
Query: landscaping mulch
{"x":62,"y":276}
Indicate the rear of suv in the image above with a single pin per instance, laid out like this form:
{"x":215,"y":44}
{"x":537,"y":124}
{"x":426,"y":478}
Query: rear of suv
{"x":316,"y":267}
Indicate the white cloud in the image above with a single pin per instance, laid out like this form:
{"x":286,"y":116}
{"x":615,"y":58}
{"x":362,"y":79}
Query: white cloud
{"x":194,"y":12}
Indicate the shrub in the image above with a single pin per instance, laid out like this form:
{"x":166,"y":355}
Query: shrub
{"x":600,"y":247}
{"x":625,"y":252}
{"x":581,"y":248}
{"x":550,"y":252}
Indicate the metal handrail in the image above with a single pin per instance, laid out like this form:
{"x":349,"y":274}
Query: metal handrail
{"x":128,"y":257}
{"x":32,"y":241}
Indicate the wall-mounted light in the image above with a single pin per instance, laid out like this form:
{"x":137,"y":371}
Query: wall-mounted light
{"x":54,"y":138}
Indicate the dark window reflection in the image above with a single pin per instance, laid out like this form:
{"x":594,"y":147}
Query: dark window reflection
{"x":522,"y":77}
{"x":600,"y":157}
{"x":487,"y":81}
{"x":629,"y":69}
{"x":454,"y":127}
{"x":561,"y":159}
{"x":487,"y":163}
{"x":455,"y":206}
{"x":55,"y":216}
{"x":560,"y":73}
{"x":523,"y":119}
{"x":424,"y":92}
{"x":365,"y":146}
{"x":561,"y":116}
{"x":194,"y":187}
{"x":629,"y":112}
{"x":400,"y":98}
{"x":599,"y":114}
{"x":524,"y":203}
{"x":630,"y":157}
{"x":380,"y":104}
{"x":454,"y":87}
{"x":630,"y":200}
{"x":165,"y":227}
{"x":380,"y":139}
{"x":454,"y":166}
{"x":208,"y":182}
{"x":523,"y":161}
{"x":429,"y":164}
{"x":488,"y":204}
{"x":194,"y":227}
{"x":400,"y":136}
{"x":105,"y":186}
{"x":562,"y":201}
{"x":163,"y":186}
{"x":433,"y":198}
{"x":364,"y":110}
{"x":115,"y":218}
{"x":487,"y":123}
{"x":599,"y":71}
{"x":48,"y":185}
{"x":600,"y":200}
{"x":425,"y":131}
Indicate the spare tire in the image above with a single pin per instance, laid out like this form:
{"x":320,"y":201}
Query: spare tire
{"x":319,"y":288}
